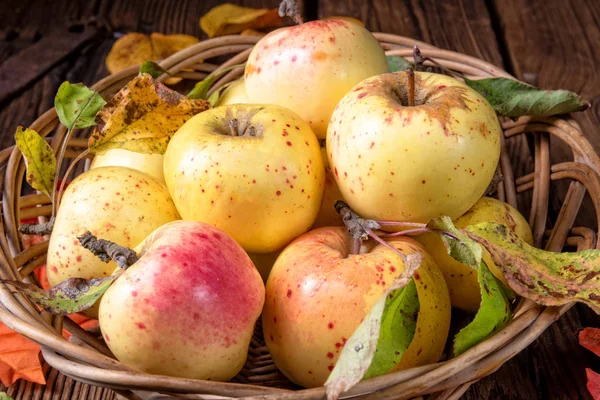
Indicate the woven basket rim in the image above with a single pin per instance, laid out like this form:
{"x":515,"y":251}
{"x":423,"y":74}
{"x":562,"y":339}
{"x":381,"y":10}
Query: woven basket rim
{"x":89,"y":361}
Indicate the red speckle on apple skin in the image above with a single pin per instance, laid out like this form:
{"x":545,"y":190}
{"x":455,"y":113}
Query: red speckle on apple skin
{"x":190,"y":279}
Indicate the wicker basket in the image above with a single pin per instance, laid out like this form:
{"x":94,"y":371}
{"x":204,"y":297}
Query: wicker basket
{"x":87,"y":359}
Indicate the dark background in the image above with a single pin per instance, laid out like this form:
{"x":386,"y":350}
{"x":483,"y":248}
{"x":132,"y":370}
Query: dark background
{"x":552,"y":44}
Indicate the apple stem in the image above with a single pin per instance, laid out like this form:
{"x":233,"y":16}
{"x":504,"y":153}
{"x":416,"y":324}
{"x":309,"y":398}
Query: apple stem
{"x":289,"y":8}
{"x":106,"y":250}
{"x":419,"y":61}
{"x":357,"y":227}
{"x":37,"y":229}
{"x":234,"y":127}
{"x":411,"y":87}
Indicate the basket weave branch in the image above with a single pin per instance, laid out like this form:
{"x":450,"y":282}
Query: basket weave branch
{"x":87,"y":359}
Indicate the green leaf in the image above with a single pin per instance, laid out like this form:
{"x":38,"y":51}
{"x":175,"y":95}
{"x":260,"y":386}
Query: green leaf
{"x":459,"y":246}
{"x":514,"y":99}
{"x":397,"y":63}
{"x":547,"y":278}
{"x":358,"y":352}
{"x":4,"y":396}
{"x":76,"y":105}
{"x":200,"y":90}
{"x":153,"y":69}
{"x":39,"y":159}
{"x":494,"y":312}
{"x":398,"y":324}
{"x":68,"y":297}
{"x":213,"y":99}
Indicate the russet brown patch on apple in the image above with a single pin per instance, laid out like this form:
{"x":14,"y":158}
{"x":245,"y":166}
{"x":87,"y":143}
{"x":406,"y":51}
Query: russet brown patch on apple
{"x":438,"y":101}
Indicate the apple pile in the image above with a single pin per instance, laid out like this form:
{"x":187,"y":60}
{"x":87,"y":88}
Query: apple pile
{"x":245,"y":189}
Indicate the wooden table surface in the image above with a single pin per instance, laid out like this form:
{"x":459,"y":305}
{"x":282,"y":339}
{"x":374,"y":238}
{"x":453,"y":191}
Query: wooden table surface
{"x":552,"y":44}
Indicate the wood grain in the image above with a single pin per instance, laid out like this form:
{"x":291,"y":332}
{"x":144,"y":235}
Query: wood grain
{"x":553,"y":44}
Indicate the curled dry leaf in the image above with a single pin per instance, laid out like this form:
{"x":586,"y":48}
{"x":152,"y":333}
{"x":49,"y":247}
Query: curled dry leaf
{"x":229,"y":19}
{"x":137,"y":48}
{"x":359,"y":351}
{"x":68,"y":297}
{"x":39,"y":159}
{"x":142,"y":117}
{"x":547,"y":278}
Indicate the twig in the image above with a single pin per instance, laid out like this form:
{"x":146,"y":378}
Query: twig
{"x":42,"y":229}
{"x":106,"y":250}
{"x":289,"y":8}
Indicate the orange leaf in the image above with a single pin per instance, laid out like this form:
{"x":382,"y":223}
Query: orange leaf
{"x":19,"y":358}
{"x":229,"y":19}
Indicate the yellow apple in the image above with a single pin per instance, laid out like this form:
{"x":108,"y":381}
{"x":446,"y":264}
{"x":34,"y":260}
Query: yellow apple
{"x":187,"y":307}
{"x":461,"y":279}
{"x":394,"y":161}
{"x":235,"y":93}
{"x":254,"y":171}
{"x":114,"y":203}
{"x":309,"y":67}
{"x":318,"y":294}
{"x":152,"y":164}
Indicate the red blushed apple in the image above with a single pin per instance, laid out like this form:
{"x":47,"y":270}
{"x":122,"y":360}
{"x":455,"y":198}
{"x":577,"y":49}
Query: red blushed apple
{"x":318,"y":294}
{"x":187,"y":307}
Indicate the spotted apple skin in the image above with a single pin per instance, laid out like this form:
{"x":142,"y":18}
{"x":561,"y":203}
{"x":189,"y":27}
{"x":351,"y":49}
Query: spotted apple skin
{"x":393,"y":161}
{"x":187,"y":307}
{"x":309,"y":67}
{"x":318,"y":294}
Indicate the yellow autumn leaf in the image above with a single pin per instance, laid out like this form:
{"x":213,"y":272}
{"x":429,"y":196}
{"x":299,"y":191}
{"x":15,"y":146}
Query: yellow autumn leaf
{"x":39,"y":159}
{"x":137,"y":48}
{"x":142,"y":117}
{"x":229,"y":19}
